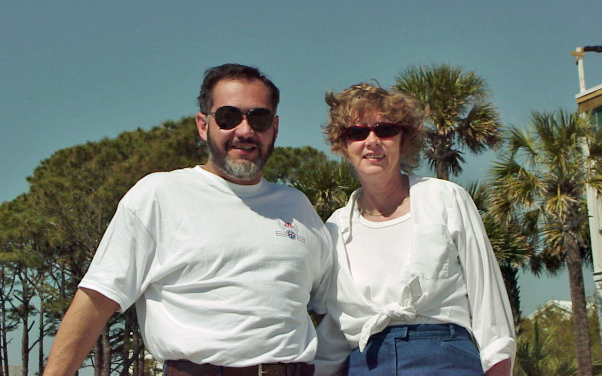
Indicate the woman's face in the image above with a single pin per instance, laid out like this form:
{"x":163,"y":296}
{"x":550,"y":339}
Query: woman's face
{"x":374,"y":156}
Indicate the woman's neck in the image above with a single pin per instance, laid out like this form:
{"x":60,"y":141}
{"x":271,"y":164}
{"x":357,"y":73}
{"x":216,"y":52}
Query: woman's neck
{"x":384,"y":198}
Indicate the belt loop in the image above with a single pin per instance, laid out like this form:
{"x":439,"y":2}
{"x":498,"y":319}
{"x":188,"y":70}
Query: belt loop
{"x":405,"y":333}
{"x":219,"y":371}
{"x":452,"y":330}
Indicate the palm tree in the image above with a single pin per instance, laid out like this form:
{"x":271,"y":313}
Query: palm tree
{"x":539,"y":182}
{"x":460,"y":117}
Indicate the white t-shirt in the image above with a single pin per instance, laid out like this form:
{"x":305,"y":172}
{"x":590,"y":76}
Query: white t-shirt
{"x":374,"y":264}
{"x":220,"y":273}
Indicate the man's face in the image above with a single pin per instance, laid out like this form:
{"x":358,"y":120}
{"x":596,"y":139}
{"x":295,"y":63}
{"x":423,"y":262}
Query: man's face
{"x":238,"y":154}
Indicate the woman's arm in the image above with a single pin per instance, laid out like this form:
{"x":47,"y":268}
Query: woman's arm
{"x":503,"y":368}
{"x":492,"y":320}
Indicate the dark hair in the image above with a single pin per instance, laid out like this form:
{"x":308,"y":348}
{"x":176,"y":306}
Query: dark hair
{"x":233,"y":72}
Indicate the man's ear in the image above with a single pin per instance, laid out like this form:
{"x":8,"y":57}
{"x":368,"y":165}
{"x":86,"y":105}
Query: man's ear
{"x":202,"y":124}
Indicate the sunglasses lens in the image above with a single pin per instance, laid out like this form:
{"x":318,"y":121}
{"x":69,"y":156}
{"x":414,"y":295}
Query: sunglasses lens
{"x":260,"y":119}
{"x":386,"y":130}
{"x":359,"y":133}
{"x":356,"y":133}
{"x":228,"y":117}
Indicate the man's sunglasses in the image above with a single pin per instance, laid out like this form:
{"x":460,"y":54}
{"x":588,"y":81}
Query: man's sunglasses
{"x":381,"y":130}
{"x":228,"y":117}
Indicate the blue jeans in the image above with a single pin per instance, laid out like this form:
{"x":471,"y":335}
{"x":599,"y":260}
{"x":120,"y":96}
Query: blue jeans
{"x":417,"y":350}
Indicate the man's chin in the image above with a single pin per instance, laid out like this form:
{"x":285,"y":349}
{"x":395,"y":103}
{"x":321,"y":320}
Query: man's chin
{"x":242,"y":170}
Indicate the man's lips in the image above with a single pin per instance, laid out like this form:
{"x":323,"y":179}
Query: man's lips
{"x":244,"y":147}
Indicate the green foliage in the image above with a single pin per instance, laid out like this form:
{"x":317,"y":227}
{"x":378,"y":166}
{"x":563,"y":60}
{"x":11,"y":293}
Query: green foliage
{"x":286,"y":163}
{"x":327,"y":184}
{"x":546,"y":345}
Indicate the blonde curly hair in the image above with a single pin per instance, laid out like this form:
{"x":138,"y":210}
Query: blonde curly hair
{"x":349,"y":106}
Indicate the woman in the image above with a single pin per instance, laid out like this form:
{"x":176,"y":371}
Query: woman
{"x":416,"y":289}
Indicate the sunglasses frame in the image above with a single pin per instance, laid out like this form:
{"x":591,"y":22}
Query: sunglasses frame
{"x":258,"y":125}
{"x":376,"y":128}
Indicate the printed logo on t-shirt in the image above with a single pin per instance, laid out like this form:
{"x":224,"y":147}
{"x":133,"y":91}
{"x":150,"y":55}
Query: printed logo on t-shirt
{"x":290,"y":231}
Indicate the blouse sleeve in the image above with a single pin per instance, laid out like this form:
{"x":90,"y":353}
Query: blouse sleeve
{"x":333,"y":348}
{"x":492,"y":321}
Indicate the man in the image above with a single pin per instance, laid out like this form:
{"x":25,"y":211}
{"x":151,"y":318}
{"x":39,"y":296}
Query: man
{"x":221,"y":264}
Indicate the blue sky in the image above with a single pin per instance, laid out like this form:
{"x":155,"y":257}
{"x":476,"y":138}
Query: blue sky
{"x":77,"y":71}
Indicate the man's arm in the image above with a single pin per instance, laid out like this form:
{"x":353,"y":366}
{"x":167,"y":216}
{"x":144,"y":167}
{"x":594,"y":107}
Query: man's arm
{"x":79,"y":330}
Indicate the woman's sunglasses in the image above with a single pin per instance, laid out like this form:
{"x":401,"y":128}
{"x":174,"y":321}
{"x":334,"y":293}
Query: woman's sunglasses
{"x":228,"y":117}
{"x":381,"y":130}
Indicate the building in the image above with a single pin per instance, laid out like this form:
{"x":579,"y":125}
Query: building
{"x":591,"y":101}
{"x":565,"y":306}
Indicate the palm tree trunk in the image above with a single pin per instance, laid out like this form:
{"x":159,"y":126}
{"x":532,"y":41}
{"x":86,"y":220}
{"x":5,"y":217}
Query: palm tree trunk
{"x":580,"y":325}
{"x":510,"y":275}
{"x":442,"y":170}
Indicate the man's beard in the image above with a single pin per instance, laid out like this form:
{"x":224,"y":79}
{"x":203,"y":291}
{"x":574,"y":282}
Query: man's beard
{"x":243,"y":170}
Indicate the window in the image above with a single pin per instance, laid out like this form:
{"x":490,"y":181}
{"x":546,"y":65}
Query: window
{"x":597,"y":116}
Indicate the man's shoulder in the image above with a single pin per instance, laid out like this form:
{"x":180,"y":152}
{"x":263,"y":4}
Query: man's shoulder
{"x":159,"y":178}
{"x":160,"y":181}
{"x":284,"y":189}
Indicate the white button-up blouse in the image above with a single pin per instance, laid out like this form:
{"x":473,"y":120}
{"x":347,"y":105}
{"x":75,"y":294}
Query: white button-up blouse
{"x":453,"y":277}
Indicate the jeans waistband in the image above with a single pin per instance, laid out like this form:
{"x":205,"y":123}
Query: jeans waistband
{"x":425,"y":331}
